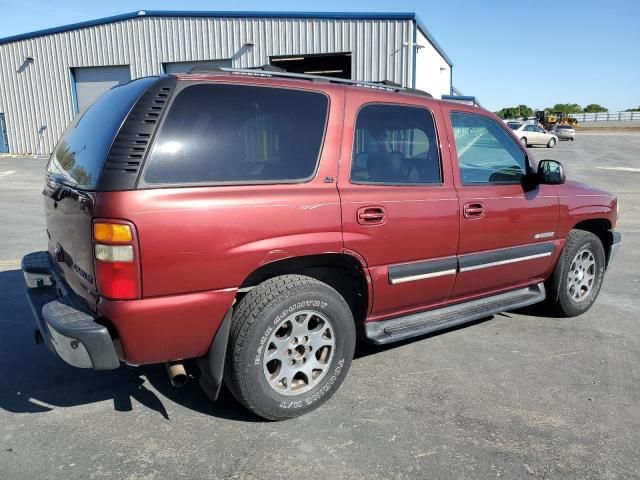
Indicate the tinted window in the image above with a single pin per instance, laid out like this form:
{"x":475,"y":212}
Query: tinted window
{"x":395,"y":145}
{"x":78,"y":157}
{"x":238,"y":134}
{"x":486,"y":152}
{"x":514,"y":126}
{"x":529,"y":128}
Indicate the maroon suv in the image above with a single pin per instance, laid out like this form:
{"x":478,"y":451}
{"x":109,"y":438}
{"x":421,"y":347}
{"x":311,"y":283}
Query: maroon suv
{"x":260,"y":223}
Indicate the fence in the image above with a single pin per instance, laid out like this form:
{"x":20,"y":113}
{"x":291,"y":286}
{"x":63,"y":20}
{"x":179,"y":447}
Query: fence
{"x":606,"y":116}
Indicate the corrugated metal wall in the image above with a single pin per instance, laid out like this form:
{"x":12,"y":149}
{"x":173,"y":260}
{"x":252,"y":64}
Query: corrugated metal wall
{"x":40,"y":93}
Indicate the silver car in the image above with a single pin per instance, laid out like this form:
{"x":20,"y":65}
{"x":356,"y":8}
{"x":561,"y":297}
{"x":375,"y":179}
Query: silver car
{"x":534,"y":135}
{"x":564,"y":132}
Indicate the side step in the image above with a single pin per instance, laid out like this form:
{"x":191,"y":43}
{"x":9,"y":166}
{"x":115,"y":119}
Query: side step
{"x":387,"y":331}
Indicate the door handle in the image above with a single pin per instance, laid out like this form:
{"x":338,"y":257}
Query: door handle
{"x":371,"y":216}
{"x":473,"y":210}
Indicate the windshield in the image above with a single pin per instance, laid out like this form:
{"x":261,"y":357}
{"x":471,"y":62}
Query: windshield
{"x":78,"y":157}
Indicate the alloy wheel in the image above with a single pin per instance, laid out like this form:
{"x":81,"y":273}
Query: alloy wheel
{"x":298,"y":353}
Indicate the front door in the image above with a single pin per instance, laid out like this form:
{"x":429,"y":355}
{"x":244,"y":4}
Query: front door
{"x":4,"y":144}
{"x":399,"y":206}
{"x":507,"y":228}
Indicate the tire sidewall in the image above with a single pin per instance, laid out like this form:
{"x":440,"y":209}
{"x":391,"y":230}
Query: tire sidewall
{"x":255,"y":385}
{"x":569,"y":305}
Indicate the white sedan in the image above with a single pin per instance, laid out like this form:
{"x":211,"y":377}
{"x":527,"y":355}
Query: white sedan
{"x":534,"y":135}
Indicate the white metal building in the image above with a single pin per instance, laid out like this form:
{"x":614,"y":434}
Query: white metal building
{"x":47,"y":76}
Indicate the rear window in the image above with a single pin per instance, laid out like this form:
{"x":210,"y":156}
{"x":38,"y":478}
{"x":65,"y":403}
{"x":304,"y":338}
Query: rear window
{"x":238,"y":134}
{"x":514,"y":125}
{"x":564,"y":127}
{"x":78,"y":157}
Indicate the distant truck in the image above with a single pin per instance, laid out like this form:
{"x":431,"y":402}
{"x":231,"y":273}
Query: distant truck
{"x":550,"y":120}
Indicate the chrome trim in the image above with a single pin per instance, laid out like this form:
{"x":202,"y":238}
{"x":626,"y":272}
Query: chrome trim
{"x":505,"y":262}
{"x":423,"y":276}
{"x":543,"y":235}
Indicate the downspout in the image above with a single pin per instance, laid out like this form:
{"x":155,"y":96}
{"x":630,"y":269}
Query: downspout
{"x":415,"y":51}
{"x":450,"y":80}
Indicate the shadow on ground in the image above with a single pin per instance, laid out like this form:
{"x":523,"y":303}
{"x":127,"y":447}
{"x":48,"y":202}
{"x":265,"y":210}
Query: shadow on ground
{"x":38,"y":381}
{"x":35,"y":380}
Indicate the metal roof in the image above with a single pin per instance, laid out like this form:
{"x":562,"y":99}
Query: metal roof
{"x":231,"y":14}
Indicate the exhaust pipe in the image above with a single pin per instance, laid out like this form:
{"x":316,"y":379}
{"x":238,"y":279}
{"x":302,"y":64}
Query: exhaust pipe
{"x":177,"y":374}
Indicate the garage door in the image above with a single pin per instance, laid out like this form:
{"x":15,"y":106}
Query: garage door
{"x":91,"y":82}
{"x":184,"y":67}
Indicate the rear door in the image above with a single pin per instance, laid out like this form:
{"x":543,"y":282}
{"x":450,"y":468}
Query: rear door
{"x":507,"y":227}
{"x":399,"y":207}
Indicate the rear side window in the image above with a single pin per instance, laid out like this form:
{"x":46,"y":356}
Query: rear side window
{"x":79,"y":155}
{"x":238,"y":134}
{"x":395,"y":145}
{"x":487,"y":154}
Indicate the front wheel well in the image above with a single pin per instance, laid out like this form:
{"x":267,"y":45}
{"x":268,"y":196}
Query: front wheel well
{"x":342,"y":272}
{"x":601,"y":228}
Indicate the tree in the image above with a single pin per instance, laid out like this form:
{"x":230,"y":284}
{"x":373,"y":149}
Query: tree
{"x":633,"y":109}
{"x":595,"y":108}
{"x":565,"y":108}
{"x":515,"y":112}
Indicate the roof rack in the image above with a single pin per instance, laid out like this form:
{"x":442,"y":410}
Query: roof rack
{"x":273,"y":71}
{"x":213,"y":68}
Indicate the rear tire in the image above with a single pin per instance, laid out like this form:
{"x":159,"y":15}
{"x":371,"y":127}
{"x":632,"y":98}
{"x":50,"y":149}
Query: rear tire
{"x":552,"y":143}
{"x":291,"y":345}
{"x":523,"y":141}
{"x":578,"y":275}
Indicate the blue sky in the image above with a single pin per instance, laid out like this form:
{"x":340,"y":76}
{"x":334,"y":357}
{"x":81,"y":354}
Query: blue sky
{"x":504,"y":52}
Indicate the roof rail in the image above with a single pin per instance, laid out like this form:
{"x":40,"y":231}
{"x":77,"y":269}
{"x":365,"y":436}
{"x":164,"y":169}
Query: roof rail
{"x":213,"y":68}
{"x":273,"y":71}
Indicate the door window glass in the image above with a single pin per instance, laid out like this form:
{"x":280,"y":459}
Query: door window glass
{"x":486,"y":152}
{"x":395,"y":145}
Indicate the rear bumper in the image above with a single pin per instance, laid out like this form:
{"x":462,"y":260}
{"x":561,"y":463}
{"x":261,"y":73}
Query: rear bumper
{"x":66,"y":326}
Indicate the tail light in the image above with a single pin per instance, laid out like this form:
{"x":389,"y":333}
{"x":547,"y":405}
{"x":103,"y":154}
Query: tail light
{"x":117,"y":260}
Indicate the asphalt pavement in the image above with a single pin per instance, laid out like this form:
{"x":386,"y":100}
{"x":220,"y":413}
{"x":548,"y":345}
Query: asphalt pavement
{"x":513,"y":396}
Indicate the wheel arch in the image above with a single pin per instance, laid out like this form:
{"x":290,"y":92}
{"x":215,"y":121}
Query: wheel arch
{"x":344,"y":272}
{"x":601,"y":228}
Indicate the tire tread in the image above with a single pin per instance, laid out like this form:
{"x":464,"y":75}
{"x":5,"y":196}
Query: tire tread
{"x":246,"y":314}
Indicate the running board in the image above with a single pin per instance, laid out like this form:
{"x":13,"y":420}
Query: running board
{"x":387,"y":331}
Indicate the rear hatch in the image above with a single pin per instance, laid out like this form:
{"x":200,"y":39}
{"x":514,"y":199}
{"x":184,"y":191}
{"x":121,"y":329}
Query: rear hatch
{"x":72,"y":184}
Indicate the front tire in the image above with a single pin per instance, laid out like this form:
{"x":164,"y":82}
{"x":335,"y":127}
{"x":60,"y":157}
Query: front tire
{"x":578,"y":276}
{"x":291,"y":345}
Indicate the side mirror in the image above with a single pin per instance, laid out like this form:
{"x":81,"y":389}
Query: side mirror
{"x":551,"y":172}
